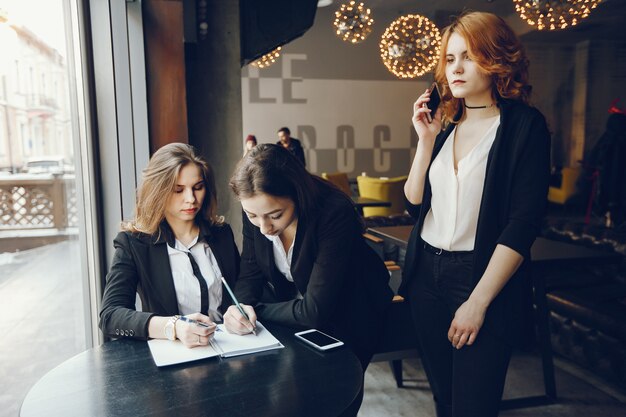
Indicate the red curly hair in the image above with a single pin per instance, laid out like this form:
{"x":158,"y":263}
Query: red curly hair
{"x":495,"y":48}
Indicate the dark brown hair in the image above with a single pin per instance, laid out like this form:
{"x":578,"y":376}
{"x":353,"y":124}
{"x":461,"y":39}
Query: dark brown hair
{"x":273,"y":170}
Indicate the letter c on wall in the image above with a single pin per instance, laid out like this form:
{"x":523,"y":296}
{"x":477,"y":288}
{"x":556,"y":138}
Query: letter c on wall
{"x":345,"y":148}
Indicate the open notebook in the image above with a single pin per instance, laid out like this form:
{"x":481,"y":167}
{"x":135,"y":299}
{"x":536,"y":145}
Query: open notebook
{"x":224,"y":344}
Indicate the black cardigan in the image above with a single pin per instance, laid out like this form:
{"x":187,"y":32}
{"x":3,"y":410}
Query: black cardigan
{"x":141,"y":265}
{"x":511,"y":211}
{"x":344,"y":283}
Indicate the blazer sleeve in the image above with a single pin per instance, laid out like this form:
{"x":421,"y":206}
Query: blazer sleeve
{"x":249,"y":287}
{"x":529,"y":189}
{"x":336,"y":234}
{"x":118,"y":316}
{"x":412,"y":209}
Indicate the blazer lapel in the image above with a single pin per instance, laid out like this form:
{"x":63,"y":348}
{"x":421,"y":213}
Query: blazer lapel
{"x":488,"y":212}
{"x":158,"y":274}
{"x":218,"y":252}
{"x":282,"y":288}
{"x":305,"y":249}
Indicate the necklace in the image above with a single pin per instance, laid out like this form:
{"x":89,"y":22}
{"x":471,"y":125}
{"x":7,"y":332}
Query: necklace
{"x":478,"y":107}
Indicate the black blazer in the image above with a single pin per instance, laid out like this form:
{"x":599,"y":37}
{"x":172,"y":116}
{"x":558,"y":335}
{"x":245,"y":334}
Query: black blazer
{"x":344,"y":283}
{"x":511,"y":211}
{"x":141,"y":265}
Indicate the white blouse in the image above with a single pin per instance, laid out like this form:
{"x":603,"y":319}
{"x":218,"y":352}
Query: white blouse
{"x":282,"y":259}
{"x":451,"y":222}
{"x":185,"y":282}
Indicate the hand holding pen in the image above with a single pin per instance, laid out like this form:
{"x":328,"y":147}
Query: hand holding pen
{"x":239,"y":318}
{"x":195,"y":330}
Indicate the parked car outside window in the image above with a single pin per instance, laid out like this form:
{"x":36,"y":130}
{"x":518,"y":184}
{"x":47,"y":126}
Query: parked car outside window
{"x":47,"y":165}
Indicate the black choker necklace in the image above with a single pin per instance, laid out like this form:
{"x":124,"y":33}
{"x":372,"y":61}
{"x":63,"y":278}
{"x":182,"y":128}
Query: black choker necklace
{"x":478,"y":107}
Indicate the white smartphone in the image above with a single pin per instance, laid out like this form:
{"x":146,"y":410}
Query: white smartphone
{"x":318,"y":340}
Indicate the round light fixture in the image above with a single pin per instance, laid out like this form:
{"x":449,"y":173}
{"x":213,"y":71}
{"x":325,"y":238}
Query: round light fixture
{"x":554,"y":14}
{"x":267,"y":59}
{"x":353,"y":22}
{"x":410,"y":46}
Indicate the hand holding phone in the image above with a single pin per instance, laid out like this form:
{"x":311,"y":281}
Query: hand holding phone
{"x":318,"y":340}
{"x":433,"y":104}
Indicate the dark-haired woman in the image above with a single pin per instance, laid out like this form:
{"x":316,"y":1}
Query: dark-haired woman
{"x":305,"y":262}
{"x":478,"y":190}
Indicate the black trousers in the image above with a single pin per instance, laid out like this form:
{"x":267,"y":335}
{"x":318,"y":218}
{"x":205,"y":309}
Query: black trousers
{"x":467,"y":382}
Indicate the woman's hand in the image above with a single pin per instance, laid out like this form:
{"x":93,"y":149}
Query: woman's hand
{"x":466,"y":324}
{"x":236,"y":323}
{"x":426,"y":132}
{"x":193,"y":335}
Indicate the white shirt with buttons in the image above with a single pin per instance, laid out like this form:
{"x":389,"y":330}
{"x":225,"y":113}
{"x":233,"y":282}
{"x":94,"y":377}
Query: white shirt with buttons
{"x":185,"y":282}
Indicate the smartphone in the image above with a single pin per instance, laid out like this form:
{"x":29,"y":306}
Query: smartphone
{"x":435,"y":99}
{"x":318,"y":340}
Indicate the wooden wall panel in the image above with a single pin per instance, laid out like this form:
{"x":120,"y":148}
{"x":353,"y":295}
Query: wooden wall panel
{"x":165,"y":72}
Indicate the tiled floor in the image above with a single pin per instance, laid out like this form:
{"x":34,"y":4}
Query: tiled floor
{"x":577,"y":395}
{"x":41,"y":325}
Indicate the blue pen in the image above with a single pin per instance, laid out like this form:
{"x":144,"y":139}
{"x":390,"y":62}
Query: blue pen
{"x":232,"y":295}
{"x":211,"y":341}
{"x":196,"y":322}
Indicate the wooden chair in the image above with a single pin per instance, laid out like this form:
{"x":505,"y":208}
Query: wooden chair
{"x":384,"y":189}
{"x":340,"y":179}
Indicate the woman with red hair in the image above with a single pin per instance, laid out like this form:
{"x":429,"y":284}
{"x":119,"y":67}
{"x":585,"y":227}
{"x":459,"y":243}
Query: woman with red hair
{"x":477,"y":187}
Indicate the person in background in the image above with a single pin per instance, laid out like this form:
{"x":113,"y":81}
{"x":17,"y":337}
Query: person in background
{"x":173,"y":253}
{"x":478,"y":190}
{"x":250,"y":143}
{"x":293,"y":145}
{"x":305,"y":262}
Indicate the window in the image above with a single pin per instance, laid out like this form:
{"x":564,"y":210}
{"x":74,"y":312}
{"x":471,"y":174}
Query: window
{"x":47,"y":223}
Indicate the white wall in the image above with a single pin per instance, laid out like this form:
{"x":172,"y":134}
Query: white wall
{"x":351,"y":114}
{"x":345,"y":125}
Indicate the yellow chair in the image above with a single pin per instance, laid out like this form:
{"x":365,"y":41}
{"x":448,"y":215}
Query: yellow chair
{"x":569,"y":177}
{"x":340,"y":179}
{"x":384,"y":189}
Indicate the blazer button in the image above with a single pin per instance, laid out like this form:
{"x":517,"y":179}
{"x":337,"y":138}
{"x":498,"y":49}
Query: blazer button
{"x":117,"y":332}
{"x":132,"y":332}
{"x":125,"y":332}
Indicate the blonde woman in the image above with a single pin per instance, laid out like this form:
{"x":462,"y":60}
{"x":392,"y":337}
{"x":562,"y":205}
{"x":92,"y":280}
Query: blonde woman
{"x":173,"y":253}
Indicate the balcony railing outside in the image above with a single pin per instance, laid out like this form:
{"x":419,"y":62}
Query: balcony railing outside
{"x":30,"y":202}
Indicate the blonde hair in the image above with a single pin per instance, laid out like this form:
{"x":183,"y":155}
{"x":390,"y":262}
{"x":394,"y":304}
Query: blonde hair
{"x":495,"y":48}
{"x":158,"y":182}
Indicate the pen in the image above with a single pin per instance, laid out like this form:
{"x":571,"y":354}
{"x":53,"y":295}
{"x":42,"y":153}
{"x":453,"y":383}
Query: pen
{"x":192,"y":321}
{"x":232,"y":295}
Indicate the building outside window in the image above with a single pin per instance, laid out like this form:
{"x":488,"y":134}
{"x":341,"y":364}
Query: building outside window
{"x":45,"y":302}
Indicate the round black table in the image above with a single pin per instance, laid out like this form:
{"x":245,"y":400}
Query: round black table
{"x":120,"y":378}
